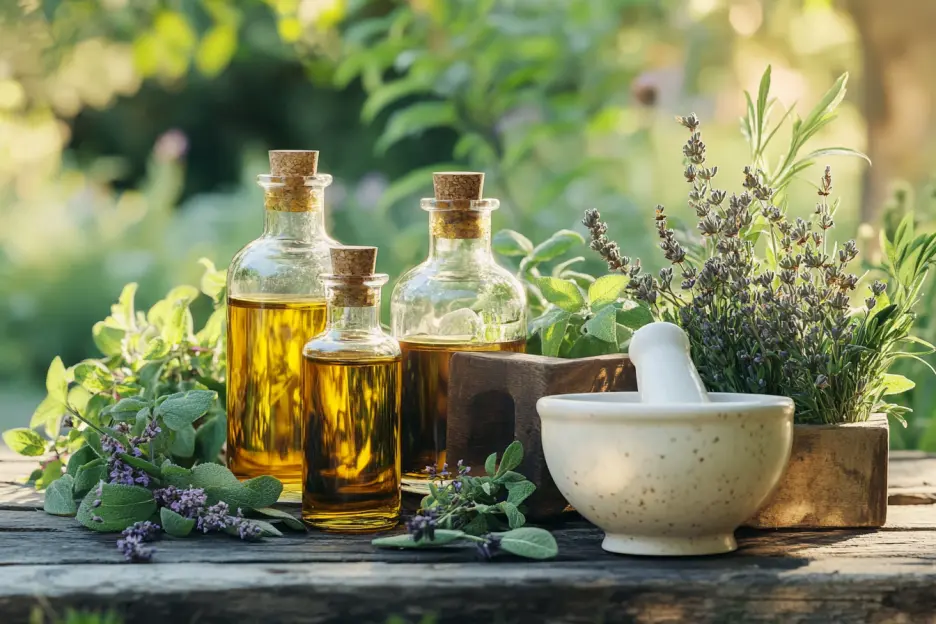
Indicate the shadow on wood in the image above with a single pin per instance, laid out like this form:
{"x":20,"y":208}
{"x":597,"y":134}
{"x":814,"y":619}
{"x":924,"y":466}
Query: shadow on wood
{"x":492,"y":401}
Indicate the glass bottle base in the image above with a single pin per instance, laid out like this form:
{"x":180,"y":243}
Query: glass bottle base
{"x":373,"y":522}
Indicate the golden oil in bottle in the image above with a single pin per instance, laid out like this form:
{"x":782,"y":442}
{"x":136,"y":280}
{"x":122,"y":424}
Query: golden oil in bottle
{"x":264,"y":355}
{"x":351,"y":400}
{"x":425,"y":398}
{"x":352,"y":480}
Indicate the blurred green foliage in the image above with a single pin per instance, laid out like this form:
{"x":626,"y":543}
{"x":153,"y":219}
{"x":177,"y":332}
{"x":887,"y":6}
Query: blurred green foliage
{"x":133,"y":129}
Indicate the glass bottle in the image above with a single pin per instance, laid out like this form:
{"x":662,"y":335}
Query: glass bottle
{"x":276,"y":301}
{"x":351,"y":398}
{"x":459,"y":299}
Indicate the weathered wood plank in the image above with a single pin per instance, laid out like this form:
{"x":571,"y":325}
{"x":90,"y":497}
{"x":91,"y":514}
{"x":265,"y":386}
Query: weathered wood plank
{"x":510,"y":593}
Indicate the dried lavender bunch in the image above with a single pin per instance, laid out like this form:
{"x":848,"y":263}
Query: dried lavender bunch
{"x":783,"y":324}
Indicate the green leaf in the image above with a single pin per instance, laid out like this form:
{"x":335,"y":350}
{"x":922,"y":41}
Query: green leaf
{"x":510,"y":477}
{"x":834,"y":151}
{"x":107,"y":338}
{"x":89,"y":475}
{"x":177,"y":475}
{"x":552,"y":335}
{"x":178,"y":325}
{"x":606,"y":290}
{"x":156,"y":349}
{"x":511,"y":243}
{"x":564,"y":294}
{"x":127,"y":409}
{"x":50,"y":474}
{"x":213,"y":476}
{"x":183,"y":442}
{"x":490,"y":464}
{"x":213,"y":281}
{"x":414,"y":120}
{"x":216,"y":49}
{"x":266,"y":529}
{"x":519,"y":491}
{"x":264,"y":491}
{"x":141,"y":464}
{"x":388,"y":93}
{"x":556,"y":245}
{"x":511,"y":458}
{"x":120,"y":507}
{"x":181,"y":409}
{"x":587,"y":345}
{"x":79,"y":458}
{"x":529,"y":542}
{"x":49,"y":415}
{"x":635,"y":317}
{"x":93,"y":376}
{"x":25,"y":441}
{"x":826,"y":106}
{"x":210,"y":437}
{"x":762,"y":93}
{"x":175,"y":524}
{"x":603,"y":325}
{"x":441,"y":537}
{"x":59,"y":500}
{"x":57,"y":380}
{"x":288,"y":519}
{"x":514,"y":518}
{"x":896,"y":384}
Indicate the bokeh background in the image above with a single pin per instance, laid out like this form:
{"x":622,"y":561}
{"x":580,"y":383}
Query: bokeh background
{"x":131,"y":131}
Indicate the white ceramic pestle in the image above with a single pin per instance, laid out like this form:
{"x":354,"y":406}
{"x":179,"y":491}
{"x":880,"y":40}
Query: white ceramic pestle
{"x":665,"y":372}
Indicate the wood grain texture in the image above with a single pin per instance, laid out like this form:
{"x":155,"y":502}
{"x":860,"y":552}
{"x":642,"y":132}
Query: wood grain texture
{"x":836,"y":478}
{"x":492,"y":400}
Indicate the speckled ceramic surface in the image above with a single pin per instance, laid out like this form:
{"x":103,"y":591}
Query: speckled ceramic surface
{"x":666,"y":479}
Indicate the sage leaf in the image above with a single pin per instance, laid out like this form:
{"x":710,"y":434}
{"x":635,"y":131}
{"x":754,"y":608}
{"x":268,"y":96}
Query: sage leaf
{"x":288,"y":519}
{"x":603,"y":325}
{"x":24,"y":441}
{"x":121,"y":506}
{"x":175,"y":524}
{"x":93,"y":376}
{"x":184,"y":408}
{"x":127,"y":409}
{"x":512,"y":457}
{"x":514,"y":517}
{"x":529,"y":542}
{"x":264,"y":491}
{"x":606,"y":290}
{"x":510,"y":477}
{"x":519,"y":491}
{"x":490,"y":464}
{"x":212,"y":475}
{"x":635,"y":317}
{"x":552,"y":336}
{"x":511,"y":243}
{"x":59,"y":499}
{"x":177,"y":475}
{"x":88,"y":476}
{"x":107,"y":338}
{"x":441,"y":537}
{"x":266,"y":529}
{"x":210,"y":437}
{"x":141,"y":464}
{"x":183,"y":442}
{"x":556,"y":245}
{"x":57,"y":380}
{"x":79,"y":458}
{"x":564,"y":294}
{"x":49,"y":415}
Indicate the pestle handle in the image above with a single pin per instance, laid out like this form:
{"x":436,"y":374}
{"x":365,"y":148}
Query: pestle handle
{"x":665,"y":372}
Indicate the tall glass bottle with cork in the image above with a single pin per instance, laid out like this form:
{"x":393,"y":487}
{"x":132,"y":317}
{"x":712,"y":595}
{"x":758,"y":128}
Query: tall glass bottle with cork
{"x":459,"y":299}
{"x":351,"y":397}
{"x":276,"y":301}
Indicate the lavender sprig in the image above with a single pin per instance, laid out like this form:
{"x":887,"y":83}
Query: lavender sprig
{"x":131,"y":542}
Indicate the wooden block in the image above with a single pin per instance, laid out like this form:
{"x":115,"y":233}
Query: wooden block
{"x":492,"y":401}
{"x":836,"y":478}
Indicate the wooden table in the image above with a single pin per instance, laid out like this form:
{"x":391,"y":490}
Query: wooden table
{"x":797,"y":576}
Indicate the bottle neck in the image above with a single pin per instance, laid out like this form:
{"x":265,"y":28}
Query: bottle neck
{"x":304,"y":226}
{"x":344,"y":318}
{"x":476,"y":249}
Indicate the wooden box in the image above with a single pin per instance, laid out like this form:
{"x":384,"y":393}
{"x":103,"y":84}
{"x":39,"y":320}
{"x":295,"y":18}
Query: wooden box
{"x":836,"y":478}
{"x":492,"y":401}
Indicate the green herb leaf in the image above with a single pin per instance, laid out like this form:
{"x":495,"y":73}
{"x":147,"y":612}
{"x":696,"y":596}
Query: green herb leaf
{"x":510,"y":477}
{"x":49,"y":415}
{"x":266,"y":529}
{"x":589,"y":346}
{"x":88,"y":476}
{"x":175,"y":524}
{"x":565,"y":294}
{"x":93,"y":376}
{"x":57,"y":380}
{"x":181,"y":409}
{"x":441,"y":538}
{"x":514,"y":518}
{"x":127,"y":409}
{"x":264,"y":491}
{"x":25,"y":442}
{"x":210,"y":437}
{"x":511,"y":243}
{"x":556,"y":245}
{"x":530,"y":542}
{"x":490,"y":464}
{"x":603,"y":325}
{"x":79,"y":458}
{"x":551,"y":336}
{"x":121,"y":506}
{"x":288,"y":519}
{"x":635,"y":317}
{"x":183,"y":442}
{"x":107,"y":338}
{"x":519,"y":491}
{"x":606,"y":290}
{"x":59,"y":500}
{"x":896,"y":384}
{"x":511,"y":458}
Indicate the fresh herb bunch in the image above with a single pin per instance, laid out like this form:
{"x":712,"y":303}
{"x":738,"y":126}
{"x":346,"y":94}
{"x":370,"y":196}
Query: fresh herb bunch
{"x":575,"y":314}
{"x":782,"y":324}
{"x":476,"y":510}
{"x":134,"y":435}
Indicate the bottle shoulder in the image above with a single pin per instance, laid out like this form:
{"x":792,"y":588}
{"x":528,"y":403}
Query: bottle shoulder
{"x":352,"y":346}
{"x":280,"y":265}
{"x":434,"y":280}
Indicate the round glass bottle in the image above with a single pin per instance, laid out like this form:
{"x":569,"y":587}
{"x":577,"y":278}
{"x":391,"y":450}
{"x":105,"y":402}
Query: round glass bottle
{"x":276,"y":302}
{"x":459,"y":299}
{"x":351,"y":398}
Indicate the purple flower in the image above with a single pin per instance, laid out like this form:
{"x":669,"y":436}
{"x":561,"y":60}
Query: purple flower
{"x":423,"y":525}
{"x":246,"y":529}
{"x":189,"y":503}
{"x":215,"y":518}
{"x":131,"y":544}
{"x":489,"y":547}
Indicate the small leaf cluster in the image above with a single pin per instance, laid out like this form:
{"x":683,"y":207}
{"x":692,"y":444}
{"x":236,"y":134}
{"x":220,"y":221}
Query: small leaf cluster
{"x":476,"y":510}
{"x":575,"y":314}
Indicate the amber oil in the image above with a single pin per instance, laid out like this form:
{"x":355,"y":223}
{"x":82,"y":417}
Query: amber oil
{"x":351,"y":399}
{"x":425,"y":393}
{"x":265,"y":334}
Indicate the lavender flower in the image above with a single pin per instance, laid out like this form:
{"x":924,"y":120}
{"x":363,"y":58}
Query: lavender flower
{"x":489,"y":547}
{"x":131,"y":543}
{"x":189,"y":503}
{"x":214,"y":518}
{"x":422,"y":525}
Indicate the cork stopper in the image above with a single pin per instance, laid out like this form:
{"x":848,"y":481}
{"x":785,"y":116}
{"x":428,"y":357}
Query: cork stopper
{"x":453,"y":185}
{"x":352,"y":268}
{"x":293,"y":163}
{"x":458,"y":219}
{"x":291,"y":194}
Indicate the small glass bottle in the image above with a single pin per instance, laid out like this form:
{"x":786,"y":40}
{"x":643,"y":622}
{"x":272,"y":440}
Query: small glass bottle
{"x":459,"y":299}
{"x":351,"y":397}
{"x":276,"y":301}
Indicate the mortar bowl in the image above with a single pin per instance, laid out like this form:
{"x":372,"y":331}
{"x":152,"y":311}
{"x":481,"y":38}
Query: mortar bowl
{"x":666,"y":479}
